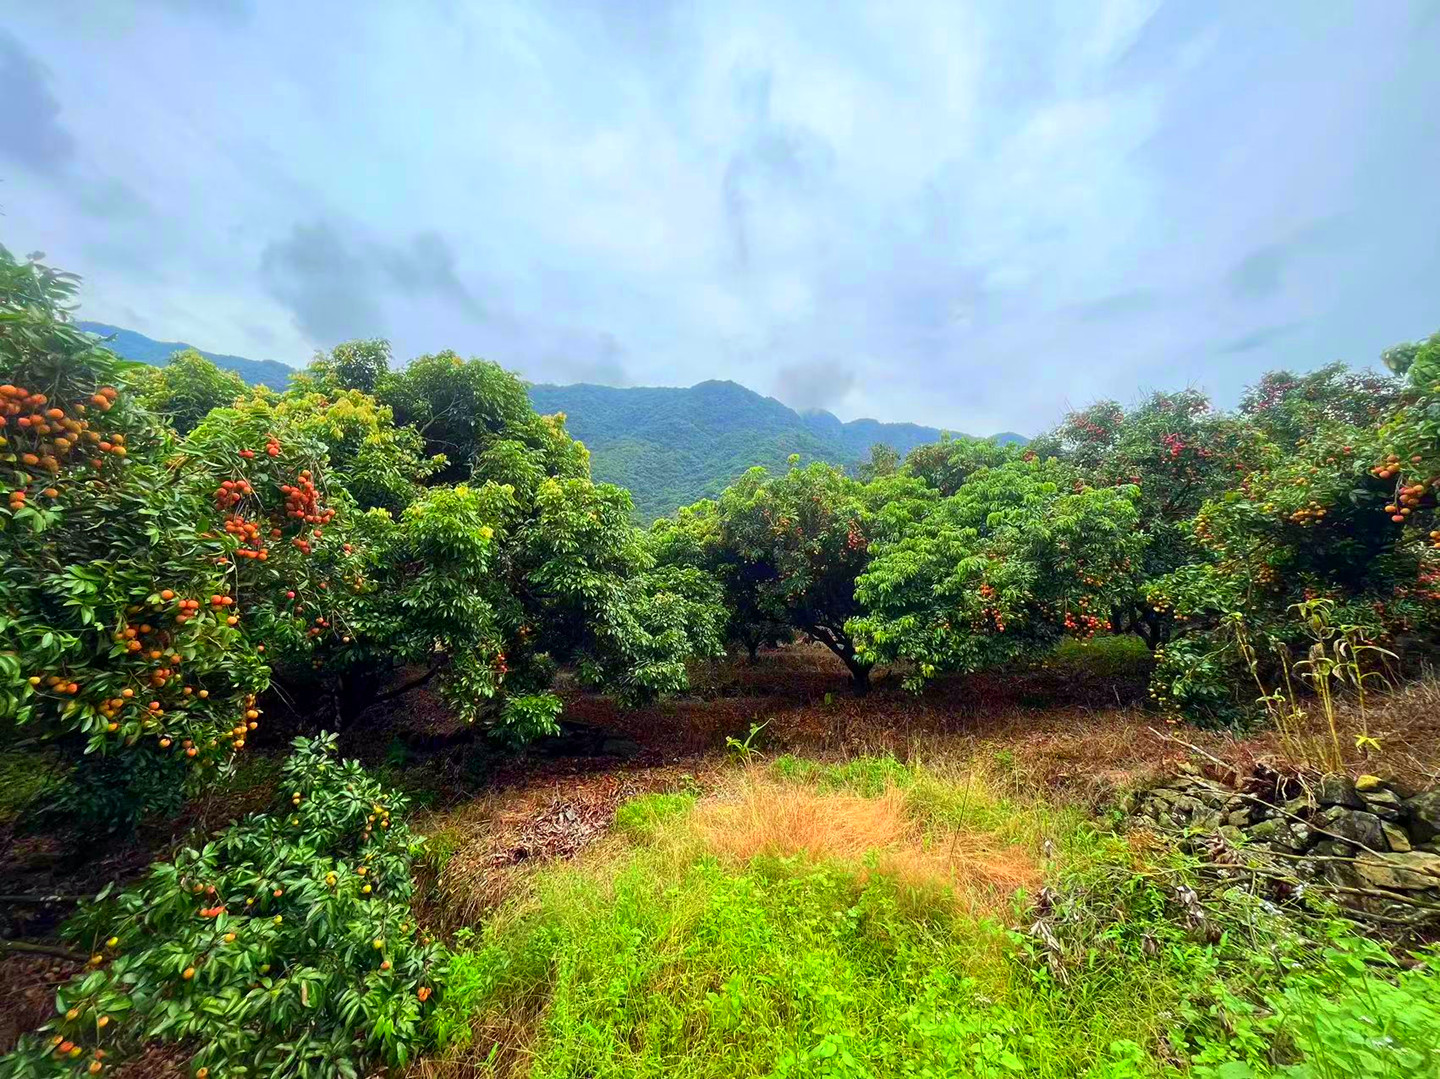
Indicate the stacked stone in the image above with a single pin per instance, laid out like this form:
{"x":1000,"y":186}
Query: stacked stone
{"x":1363,"y":834}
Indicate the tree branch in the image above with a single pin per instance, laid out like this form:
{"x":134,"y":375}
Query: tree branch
{"x":414,"y":683}
{"x":20,"y":947}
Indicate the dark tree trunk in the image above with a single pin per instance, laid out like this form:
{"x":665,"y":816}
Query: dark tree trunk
{"x":1143,"y":622}
{"x":859,"y":677}
{"x":839,"y":643}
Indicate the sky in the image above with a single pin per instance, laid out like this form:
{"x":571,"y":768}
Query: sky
{"x":972,"y":215}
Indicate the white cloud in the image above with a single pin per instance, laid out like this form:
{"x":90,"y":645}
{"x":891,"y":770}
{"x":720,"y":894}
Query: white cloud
{"x":983,"y":211}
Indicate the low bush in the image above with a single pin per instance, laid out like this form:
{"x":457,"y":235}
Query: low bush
{"x":285,"y":946}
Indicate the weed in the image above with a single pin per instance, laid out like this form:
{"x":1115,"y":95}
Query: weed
{"x":644,"y":814}
{"x":745,"y":749}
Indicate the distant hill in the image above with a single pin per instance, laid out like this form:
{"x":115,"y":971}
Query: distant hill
{"x":672,"y":446}
{"x":136,"y":346}
{"x":669,"y":446}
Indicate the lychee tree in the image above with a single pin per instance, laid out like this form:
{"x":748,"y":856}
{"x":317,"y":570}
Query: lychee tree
{"x":1287,"y":407}
{"x":462,"y":407}
{"x":1018,"y":557}
{"x":186,"y":389}
{"x":1346,"y":517}
{"x":479,"y":589}
{"x":947,"y":463}
{"x":1177,"y":452}
{"x":794,"y":545}
{"x":120,"y":623}
{"x":691,"y":540}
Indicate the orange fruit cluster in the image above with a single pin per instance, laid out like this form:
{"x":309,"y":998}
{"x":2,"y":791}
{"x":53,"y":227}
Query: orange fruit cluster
{"x":302,"y":502}
{"x":39,"y":434}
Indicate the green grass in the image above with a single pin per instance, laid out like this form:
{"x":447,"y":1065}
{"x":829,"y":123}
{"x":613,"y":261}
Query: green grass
{"x":862,"y":775}
{"x":651,"y":957}
{"x":1104,"y":656}
{"x":646,"y":815}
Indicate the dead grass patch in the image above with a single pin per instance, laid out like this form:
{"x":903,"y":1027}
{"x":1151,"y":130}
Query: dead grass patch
{"x":876,"y":835}
{"x":486,"y":850}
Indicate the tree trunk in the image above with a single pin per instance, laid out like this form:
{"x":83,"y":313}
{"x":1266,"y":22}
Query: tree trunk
{"x":841,"y":645}
{"x":859,"y":676}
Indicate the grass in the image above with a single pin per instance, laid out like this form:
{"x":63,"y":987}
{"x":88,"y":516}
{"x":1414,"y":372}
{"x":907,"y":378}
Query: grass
{"x":1106,"y":655}
{"x":874,"y":919}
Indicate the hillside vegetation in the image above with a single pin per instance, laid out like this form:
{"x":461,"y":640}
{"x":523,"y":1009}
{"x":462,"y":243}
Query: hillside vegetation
{"x":669,"y":446}
{"x":138,"y":347}
{"x":417,"y":559}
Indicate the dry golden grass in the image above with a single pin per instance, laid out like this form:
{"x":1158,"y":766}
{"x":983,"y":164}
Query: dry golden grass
{"x":879,"y":835}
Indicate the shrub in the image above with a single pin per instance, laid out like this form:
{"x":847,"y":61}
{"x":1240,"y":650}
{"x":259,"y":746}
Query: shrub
{"x":286,"y":945}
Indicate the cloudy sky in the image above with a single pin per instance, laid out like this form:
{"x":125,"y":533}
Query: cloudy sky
{"x":967,"y":214}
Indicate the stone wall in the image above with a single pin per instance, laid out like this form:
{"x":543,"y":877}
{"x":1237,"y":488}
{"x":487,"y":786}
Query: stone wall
{"x":1370,"y":845}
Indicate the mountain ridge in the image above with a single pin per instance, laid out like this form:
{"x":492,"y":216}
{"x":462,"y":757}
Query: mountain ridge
{"x":671,"y":446}
{"x":133,"y":345}
{"x":668,"y":445}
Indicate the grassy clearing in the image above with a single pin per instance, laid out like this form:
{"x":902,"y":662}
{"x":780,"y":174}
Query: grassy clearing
{"x":1106,"y":655}
{"x":874,"y":919}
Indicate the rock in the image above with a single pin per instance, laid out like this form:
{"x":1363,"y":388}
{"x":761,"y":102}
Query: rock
{"x":1424,"y":816}
{"x":1408,"y":871}
{"x":1166,"y":794}
{"x":619,"y":747}
{"x":1238,"y":818}
{"x":1368,"y":783}
{"x":1337,"y":790}
{"x":1396,"y":836}
{"x":1205,"y":819}
{"x":1332,"y":848}
{"x":1383,"y":803}
{"x":1355,"y":826}
{"x":1187,"y":805}
{"x":1300,"y":807}
{"x":1232,"y":835}
{"x":1265,"y":830}
{"x":1210,"y":796}
{"x":1293,"y":836}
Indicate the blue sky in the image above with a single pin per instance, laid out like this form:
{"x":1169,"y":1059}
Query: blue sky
{"x":971,"y":215}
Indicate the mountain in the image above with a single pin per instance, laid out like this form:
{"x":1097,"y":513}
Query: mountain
{"x":672,"y":446}
{"x":669,"y":446}
{"x":136,"y":346}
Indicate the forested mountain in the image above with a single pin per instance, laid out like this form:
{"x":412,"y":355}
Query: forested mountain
{"x":671,"y":446}
{"x":136,"y":346}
